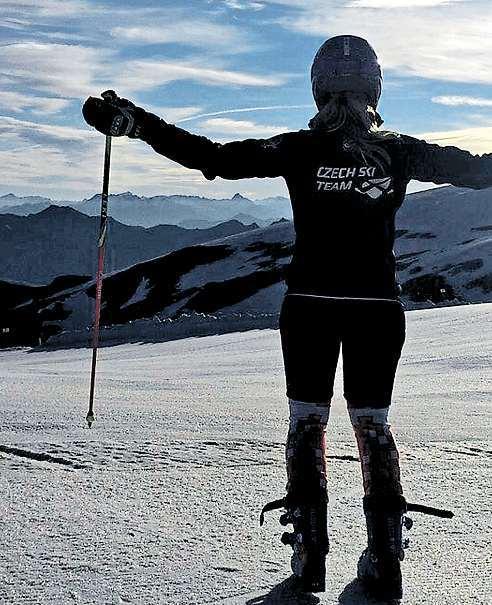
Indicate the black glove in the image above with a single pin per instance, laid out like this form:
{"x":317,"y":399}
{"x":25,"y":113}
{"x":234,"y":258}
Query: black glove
{"x":113,"y":115}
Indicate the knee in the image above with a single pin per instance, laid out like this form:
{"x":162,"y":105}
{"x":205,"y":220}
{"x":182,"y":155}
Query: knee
{"x":368,"y":418}
{"x":309,"y":413}
{"x":378,"y":453}
{"x":372,"y":431}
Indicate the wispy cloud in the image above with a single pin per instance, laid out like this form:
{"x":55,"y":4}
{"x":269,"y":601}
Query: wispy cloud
{"x":66,"y":163}
{"x":476,"y":140}
{"x":144,"y":75}
{"x":239,"y":128}
{"x":59,"y":158}
{"x":14,"y":23}
{"x":48,"y":8}
{"x":186,"y":31}
{"x":173,"y":114}
{"x":388,"y":4}
{"x":60,"y":69}
{"x":245,"y":110}
{"x":46,"y":135}
{"x":244,"y":5}
{"x":74,"y":71}
{"x":15,"y":102}
{"x":460,"y":101}
{"x":449,"y":42}
{"x":55,"y":52}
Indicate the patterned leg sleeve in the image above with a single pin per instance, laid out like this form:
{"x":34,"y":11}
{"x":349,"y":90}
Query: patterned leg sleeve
{"x":306,"y":442}
{"x":378,"y":453}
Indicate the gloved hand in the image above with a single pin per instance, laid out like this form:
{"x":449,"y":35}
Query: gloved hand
{"x":113,"y":115}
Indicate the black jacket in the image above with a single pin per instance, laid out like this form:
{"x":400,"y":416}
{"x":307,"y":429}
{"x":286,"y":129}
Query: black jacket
{"x":344,"y":194}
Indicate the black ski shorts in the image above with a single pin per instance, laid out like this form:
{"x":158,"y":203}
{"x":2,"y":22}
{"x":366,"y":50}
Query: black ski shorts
{"x":370,"y":333}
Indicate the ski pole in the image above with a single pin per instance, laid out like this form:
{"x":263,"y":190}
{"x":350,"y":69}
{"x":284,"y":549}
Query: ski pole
{"x":101,"y":244}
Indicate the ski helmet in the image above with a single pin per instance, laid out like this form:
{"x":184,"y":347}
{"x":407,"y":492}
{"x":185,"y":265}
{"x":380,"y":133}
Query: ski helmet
{"x":346,"y":64}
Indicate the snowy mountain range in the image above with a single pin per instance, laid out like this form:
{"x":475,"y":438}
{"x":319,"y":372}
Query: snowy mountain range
{"x":61,"y":241}
{"x":184,"y":211}
{"x":443,"y":251}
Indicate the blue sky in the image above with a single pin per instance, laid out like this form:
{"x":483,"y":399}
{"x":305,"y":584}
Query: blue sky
{"x":187,"y":59}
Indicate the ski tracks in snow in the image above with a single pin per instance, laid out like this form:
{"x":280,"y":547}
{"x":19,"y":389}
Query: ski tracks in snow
{"x":159,"y":502}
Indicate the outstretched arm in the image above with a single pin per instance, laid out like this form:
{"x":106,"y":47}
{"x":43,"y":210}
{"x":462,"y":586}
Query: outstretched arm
{"x":236,"y":160}
{"x":440,"y":165}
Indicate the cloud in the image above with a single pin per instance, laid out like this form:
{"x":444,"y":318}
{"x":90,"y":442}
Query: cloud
{"x":186,"y":31}
{"x":245,"y":110}
{"x":47,"y":8}
{"x":141,"y":25}
{"x":60,"y":69}
{"x":244,"y":5}
{"x":449,"y":42}
{"x":239,"y":128}
{"x":389,"y":4}
{"x":144,"y":75}
{"x":45,"y":135}
{"x":476,"y":140}
{"x":435,"y":39}
{"x":67,"y":162}
{"x":54,"y":159}
{"x":460,"y":101}
{"x":16,"y":24}
{"x":16,"y":102}
{"x":74,"y":71}
{"x":44,"y":158}
{"x":173,"y":114}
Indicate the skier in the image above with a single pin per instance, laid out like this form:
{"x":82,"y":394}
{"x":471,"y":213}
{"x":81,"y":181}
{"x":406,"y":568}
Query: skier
{"x":346,"y":178}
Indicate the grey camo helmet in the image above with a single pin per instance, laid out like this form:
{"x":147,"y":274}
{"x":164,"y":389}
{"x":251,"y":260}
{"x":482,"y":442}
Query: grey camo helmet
{"x":346,"y":64}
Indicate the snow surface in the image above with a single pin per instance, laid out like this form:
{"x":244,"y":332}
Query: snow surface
{"x":159,"y":501}
{"x":139,"y":294}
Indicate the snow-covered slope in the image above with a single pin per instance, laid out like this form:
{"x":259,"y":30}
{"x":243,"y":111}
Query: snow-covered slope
{"x":221,"y":275}
{"x":443,"y":251}
{"x":158,"y":503}
{"x":61,"y":241}
{"x":445,"y":241}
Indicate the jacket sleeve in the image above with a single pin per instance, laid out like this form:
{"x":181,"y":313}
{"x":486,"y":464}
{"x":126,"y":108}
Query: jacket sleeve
{"x":235,"y":160}
{"x":442,"y":165}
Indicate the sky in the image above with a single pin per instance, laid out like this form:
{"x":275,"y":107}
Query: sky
{"x":226,"y":69}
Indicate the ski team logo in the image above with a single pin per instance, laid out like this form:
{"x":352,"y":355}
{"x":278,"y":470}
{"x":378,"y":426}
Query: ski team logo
{"x":360,"y":179}
{"x":342,"y":178}
{"x":375,"y":188}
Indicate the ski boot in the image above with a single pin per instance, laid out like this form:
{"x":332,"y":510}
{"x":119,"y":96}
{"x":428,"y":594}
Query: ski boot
{"x":306,"y":503}
{"x":309,"y":538}
{"x":378,"y":568}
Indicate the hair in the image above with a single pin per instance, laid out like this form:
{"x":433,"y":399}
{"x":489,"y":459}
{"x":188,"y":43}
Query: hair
{"x":351,"y":114}
{"x":349,"y":111}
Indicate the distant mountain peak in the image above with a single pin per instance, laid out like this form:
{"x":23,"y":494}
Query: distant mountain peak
{"x":238,"y":196}
{"x":113,"y":196}
{"x":11,"y":197}
{"x":125,"y":194}
{"x":59,"y":210}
